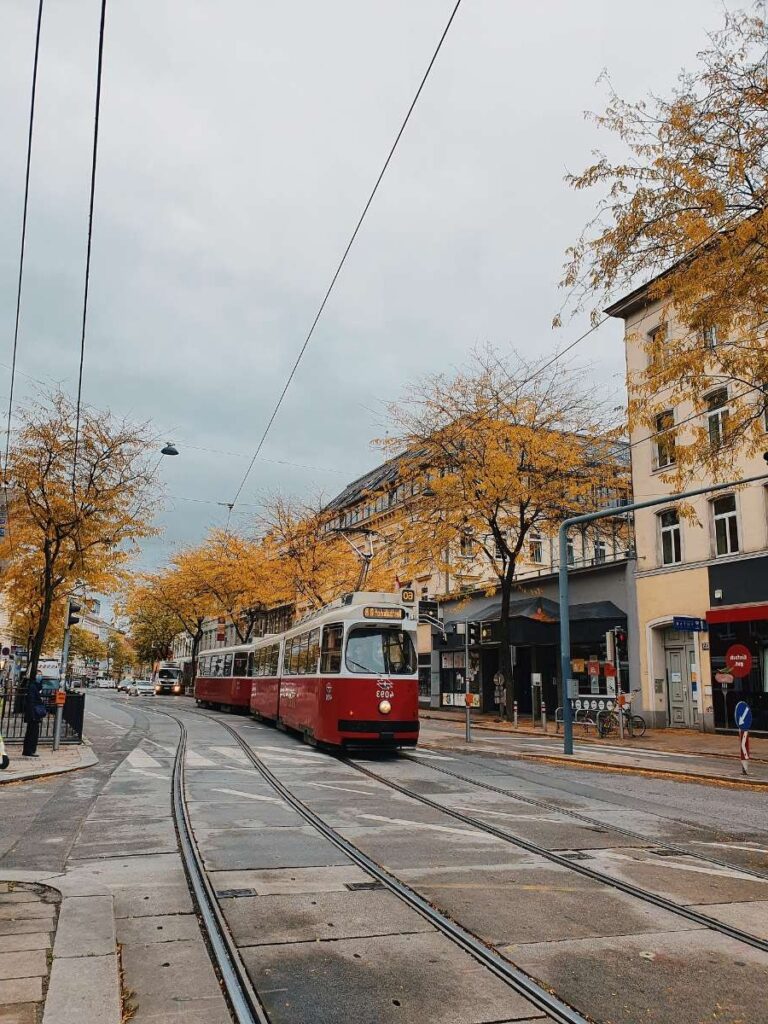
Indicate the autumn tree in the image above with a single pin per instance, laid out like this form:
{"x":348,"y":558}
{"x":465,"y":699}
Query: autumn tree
{"x":70,"y":521}
{"x":314,"y":562}
{"x":85,"y":646}
{"x":152,"y":626}
{"x":243,"y":577}
{"x":495,"y":455}
{"x":686,"y":208}
{"x":120,"y":655}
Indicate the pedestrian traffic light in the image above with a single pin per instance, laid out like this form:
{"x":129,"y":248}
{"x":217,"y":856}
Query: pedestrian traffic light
{"x":72,"y":617}
{"x":486,"y":633}
{"x":473,"y":632}
{"x":621,"y":643}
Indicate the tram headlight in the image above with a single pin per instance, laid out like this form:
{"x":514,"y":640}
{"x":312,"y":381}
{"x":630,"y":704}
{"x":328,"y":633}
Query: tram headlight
{"x":385,"y":707}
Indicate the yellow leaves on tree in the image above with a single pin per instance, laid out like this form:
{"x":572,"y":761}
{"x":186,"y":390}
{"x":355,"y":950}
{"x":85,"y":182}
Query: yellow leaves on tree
{"x":495,"y":455}
{"x":65,"y":534}
{"x":689,"y":209}
{"x":85,"y":645}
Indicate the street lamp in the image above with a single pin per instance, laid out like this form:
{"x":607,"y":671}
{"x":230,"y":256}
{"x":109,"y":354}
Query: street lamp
{"x":170,"y":449}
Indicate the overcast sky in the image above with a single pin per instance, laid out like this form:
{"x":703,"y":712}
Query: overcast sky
{"x":238,"y":144}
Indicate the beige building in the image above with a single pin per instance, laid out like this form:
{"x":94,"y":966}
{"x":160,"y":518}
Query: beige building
{"x":710,"y":568}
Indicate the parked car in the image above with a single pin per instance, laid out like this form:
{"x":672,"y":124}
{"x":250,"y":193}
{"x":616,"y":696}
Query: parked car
{"x":124,"y":685}
{"x":142,"y":688}
{"x":105,"y":684}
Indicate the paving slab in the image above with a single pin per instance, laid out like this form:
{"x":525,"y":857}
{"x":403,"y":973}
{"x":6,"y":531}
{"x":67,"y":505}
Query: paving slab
{"x":126,"y":837}
{"x":248,"y":811}
{"x":20,"y":1013}
{"x":31,"y":963}
{"x":749,"y":917}
{"x":276,"y":881}
{"x":379,"y":980}
{"x":159,"y":972}
{"x":229,"y":849}
{"x":403,"y":845}
{"x":687,"y":977}
{"x":141,"y":931}
{"x":537,"y":904}
{"x":83,"y":989}
{"x":13,"y":927}
{"x":26,"y":940}
{"x":21,"y":990}
{"x":151,"y":901}
{"x":86,"y":927}
{"x":315,"y":917}
{"x":27,"y":911}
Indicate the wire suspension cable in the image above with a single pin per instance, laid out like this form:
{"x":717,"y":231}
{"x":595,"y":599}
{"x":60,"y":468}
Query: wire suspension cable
{"x":343,"y":259}
{"x":90,"y":237}
{"x":23,"y":236}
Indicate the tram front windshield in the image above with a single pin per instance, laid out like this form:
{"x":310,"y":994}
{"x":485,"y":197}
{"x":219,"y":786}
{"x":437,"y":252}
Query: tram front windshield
{"x":380,"y":650}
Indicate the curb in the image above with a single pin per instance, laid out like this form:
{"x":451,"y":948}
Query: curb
{"x":487,"y":727}
{"x":87,"y":760}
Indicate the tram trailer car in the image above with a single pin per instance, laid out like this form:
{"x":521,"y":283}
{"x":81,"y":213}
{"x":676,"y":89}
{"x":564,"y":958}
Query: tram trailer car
{"x":346,"y":676}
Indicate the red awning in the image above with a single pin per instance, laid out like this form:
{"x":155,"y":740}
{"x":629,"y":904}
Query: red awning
{"x":738,"y":613}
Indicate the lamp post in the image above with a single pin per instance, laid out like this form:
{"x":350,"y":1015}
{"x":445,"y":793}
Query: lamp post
{"x":565,"y":624}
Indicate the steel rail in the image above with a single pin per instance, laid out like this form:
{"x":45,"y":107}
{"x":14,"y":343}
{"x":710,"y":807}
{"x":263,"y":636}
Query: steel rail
{"x":629,"y":833}
{"x":503,"y":969}
{"x":525,"y":844}
{"x":242,"y":996}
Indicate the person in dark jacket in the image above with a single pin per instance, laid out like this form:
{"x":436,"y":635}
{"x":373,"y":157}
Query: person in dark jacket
{"x":34,"y":709}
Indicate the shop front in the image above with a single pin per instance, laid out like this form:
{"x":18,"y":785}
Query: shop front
{"x":738,"y":639}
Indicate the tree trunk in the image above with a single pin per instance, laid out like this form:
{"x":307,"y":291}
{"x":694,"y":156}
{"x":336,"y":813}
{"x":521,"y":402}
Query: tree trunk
{"x":38,"y":638}
{"x":505,"y":654}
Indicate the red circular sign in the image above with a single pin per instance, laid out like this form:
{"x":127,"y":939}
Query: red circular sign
{"x":738,"y":659}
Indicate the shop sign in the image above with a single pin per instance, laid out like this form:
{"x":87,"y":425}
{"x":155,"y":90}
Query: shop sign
{"x":738,"y":660}
{"x":593,"y":667}
{"x":724,"y":678}
{"x":578,"y":665}
{"x":609,"y":670}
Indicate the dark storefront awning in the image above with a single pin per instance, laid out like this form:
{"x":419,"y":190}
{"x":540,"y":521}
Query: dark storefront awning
{"x":539,"y":609}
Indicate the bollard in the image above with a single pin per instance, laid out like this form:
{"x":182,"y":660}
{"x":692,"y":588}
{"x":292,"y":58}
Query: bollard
{"x":543,"y":716}
{"x":59,"y":698}
{"x":514,"y":714}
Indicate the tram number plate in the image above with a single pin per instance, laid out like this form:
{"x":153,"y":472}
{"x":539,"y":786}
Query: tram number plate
{"x":385,"y":693}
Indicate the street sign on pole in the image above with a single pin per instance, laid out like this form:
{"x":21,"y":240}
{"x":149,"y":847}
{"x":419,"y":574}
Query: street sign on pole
{"x":742,"y":715}
{"x":744,"y":750}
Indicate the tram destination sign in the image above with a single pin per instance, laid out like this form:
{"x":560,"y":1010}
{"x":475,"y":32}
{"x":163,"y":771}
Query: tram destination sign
{"x":383,"y":613}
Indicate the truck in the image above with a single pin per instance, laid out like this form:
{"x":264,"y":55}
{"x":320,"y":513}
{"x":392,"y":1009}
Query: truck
{"x":167,"y":677}
{"x":50,"y":672}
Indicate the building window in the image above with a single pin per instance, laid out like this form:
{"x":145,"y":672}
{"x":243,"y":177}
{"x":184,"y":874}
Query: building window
{"x":726,"y":525}
{"x":466,"y":545}
{"x":571,"y":555}
{"x":671,"y":546}
{"x":717,"y":416}
{"x":709,"y":337}
{"x":536,"y":548}
{"x":599,"y":550}
{"x":665,"y":440}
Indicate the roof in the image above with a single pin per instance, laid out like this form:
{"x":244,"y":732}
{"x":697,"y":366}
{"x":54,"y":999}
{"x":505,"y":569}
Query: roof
{"x":540,"y":609}
{"x":378,"y":479}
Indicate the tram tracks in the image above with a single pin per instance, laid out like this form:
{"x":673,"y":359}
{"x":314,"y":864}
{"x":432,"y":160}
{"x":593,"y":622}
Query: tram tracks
{"x":662,"y":902}
{"x":243,"y":998}
{"x":590,"y":821}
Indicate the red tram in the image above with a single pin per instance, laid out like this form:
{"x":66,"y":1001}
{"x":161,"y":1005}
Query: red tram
{"x":344,"y":676}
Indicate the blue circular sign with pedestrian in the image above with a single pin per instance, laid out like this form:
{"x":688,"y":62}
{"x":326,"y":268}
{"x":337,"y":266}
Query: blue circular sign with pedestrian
{"x":743,"y":716}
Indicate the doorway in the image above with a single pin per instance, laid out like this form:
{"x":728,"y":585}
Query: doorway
{"x":679,"y":658}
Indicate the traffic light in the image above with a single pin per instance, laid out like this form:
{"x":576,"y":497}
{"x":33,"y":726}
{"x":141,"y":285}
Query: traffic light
{"x":621,"y":643}
{"x":486,"y":633}
{"x":473,"y":632}
{"x":72,"y":609}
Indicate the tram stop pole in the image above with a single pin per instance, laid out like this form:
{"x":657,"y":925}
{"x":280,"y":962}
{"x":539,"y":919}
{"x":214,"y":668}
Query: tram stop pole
{"x":565,"y":622}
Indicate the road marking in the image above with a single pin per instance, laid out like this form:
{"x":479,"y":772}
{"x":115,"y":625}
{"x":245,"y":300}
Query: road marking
{"x":696,"y":869}
{"x":505,"y":814}
{"x":341,"y":789}
{"x":141,"y":759}
{"x":233,"y":752}
{"x":249,"y":796}
{"x":732,"y":846}
{"x":471,"y":833}
{"x":195,"y":760}
{"x":151,"y":775}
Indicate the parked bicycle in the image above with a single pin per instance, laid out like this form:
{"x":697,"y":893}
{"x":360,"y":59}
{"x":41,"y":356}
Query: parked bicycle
{"x":608,"y":721}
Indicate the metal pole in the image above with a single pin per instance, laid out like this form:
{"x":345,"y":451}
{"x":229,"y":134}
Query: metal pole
{"x":565,"y":624}
{"x":467,"y":716}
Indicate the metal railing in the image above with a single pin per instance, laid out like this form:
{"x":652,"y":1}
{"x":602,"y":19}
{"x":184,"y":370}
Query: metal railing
{"x":13,"y":724}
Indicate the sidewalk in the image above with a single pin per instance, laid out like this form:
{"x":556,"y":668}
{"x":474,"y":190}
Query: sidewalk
{"x":69,"y":757}
{"x":681,"y":741}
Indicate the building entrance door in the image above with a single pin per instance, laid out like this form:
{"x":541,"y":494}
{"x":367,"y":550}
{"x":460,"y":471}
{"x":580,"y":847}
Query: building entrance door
{"x":682,"y":713}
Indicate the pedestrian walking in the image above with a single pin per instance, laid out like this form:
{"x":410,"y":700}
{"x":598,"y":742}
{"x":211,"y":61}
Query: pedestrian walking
{"x":34,"y":712}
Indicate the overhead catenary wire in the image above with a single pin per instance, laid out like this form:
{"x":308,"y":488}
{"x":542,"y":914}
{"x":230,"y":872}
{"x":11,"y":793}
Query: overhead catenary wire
{"x":30,"y":132}
{"x":343,"y":259}
{"x":91,"y":198}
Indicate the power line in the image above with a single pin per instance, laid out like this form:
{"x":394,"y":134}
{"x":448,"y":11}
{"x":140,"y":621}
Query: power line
{"x":23,"y":234}
{"x":343,"y":259}
{"x":90,"y":235}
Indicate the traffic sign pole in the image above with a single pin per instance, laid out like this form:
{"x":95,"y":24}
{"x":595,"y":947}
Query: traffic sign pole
{"x":742,"y":713}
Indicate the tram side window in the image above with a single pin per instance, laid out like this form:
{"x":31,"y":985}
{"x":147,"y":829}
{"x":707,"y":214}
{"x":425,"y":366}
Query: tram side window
{"x":330,"y":653}
{"x":202,"y":666}
{"x":288,"y":661}
{"x":240,"y":666}
{"x":227,"y":671}
{"x":249,"y":669}
{"x":313,"y":652}
{"x":303,"y":654}
{"x":273,"y":665}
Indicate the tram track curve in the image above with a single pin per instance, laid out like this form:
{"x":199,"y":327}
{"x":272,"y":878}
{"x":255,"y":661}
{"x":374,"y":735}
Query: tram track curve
{"x":662,"y":902}
{"x":242,"y":996}
{"x":578,"y":816}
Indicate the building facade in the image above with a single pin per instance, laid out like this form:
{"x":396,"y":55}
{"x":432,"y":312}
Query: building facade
{"x":702,"y":569}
